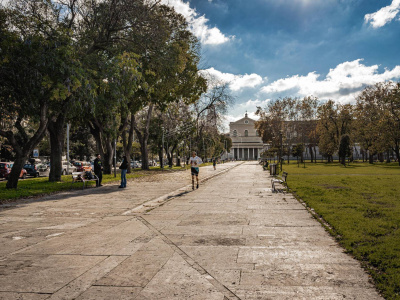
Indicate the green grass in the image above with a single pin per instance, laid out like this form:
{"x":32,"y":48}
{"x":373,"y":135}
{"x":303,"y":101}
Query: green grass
{"x":362,"y":204}
{"x":35,"y":187}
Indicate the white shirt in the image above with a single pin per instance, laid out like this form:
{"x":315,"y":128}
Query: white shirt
{"x":195,"y":161}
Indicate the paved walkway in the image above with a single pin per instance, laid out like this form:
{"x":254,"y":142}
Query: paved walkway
{"x":231,"y":239}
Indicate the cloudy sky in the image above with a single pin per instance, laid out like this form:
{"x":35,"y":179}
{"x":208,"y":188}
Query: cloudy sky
{"x":268,"y":49}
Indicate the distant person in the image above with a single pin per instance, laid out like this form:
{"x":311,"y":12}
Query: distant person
{"x":98,"y":169}
{"x":214,"y":161}
{"x":195,"y":162}
{"x":123,"y":167}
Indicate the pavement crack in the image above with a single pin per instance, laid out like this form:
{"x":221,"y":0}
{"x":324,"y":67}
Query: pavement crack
{"x":228,"y":294}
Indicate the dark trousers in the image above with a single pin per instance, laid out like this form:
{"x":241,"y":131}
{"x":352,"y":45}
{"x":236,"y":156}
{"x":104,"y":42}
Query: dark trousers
{"x":100,"y":176}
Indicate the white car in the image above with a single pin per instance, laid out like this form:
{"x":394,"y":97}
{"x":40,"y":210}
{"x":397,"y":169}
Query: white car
{"x":70,"y":169}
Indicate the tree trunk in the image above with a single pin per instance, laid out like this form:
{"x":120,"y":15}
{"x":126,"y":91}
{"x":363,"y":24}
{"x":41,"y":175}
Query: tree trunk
{"x":143,"y":137}
{"x":13,"y":177}
{"x":397,"y":152}
{"x":178,"y":159}
{"x":57,"y":135}
{"x":145,"y":154}
{"x":108,"y":157}
{"x":127,"y":150}
{"x":311,"y":152}
{"x":160,"y":156}
{"x":371,"y":158}
{"x":315,"y":154}
{"x":23,"y":149}
{"x":388,"y":156}
{"x":127,"y":144}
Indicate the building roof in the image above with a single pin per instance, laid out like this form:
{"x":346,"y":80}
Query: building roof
{"x":241,"y":121}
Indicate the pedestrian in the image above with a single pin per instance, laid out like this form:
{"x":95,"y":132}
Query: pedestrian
{"x":98,"y":170}
{"x":123,"y":167}
{"x":195,"y":162}
{"x":214,"y":162}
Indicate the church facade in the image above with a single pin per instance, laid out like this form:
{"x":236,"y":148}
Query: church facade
{"x":246,"y":141}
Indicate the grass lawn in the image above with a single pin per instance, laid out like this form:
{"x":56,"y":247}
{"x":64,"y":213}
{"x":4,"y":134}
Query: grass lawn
{"x":362,"y":204}
{"x":34,"y":187}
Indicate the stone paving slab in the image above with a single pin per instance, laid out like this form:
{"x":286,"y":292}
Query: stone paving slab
{"x":233,"y":238}
{"x":42,"y":273}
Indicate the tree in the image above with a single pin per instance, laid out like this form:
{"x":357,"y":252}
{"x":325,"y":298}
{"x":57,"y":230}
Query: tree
{"x":32,"y":76}
{"x":271,"y":123}
{"x":173,"y":75}
{"x":334,"y":120}
{"x":344,"y":148}
{"x":371,"y":119}
{"x":297,"y":151}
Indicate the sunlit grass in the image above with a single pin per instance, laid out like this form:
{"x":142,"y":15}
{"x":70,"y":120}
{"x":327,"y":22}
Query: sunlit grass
{"x":362,"y":204}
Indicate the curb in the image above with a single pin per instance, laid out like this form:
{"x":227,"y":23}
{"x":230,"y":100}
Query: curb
{"x":151,"y":204}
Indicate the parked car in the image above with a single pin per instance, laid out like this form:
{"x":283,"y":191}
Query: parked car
{"x":135,"y":164}
{"x":31,"y":170}
{"x":82,"y":166}
{"x":153,"y":163}
{"x":5,"y":170}
{"x":44,"y":169}
{"x":71,"y":168}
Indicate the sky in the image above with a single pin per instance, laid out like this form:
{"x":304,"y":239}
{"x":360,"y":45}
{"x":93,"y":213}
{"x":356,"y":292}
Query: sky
{"x":267,"y":49}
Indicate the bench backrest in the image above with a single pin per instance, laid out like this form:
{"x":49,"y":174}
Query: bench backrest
{"x":77,"y":174}
{"x":284,"y":175}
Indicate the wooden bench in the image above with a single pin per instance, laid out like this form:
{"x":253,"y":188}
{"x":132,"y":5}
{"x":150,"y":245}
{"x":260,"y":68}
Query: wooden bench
{"x":80,"y":177}
{"x":281,"y":181}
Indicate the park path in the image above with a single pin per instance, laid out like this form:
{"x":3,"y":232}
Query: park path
{"x":230,"y":239}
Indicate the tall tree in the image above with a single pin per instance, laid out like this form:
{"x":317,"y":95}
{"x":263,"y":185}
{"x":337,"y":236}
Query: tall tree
{"x":334,"y":120}
{"x":171,"y":73}
{"x":33,"y":79}
{"x":370,"y":119}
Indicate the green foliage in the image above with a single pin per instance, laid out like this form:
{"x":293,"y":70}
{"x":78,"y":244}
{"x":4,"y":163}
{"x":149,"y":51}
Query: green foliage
{"x":344,"y":148}
{"x":297,"y":150}
{"x":361,"y":204}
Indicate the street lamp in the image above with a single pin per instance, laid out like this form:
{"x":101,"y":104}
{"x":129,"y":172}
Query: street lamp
{"x":281,"y":148}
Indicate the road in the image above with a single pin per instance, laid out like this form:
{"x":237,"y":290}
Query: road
{"x":230,"y":239}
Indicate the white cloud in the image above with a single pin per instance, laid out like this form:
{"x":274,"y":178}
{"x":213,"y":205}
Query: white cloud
{"x":252,"y":104}
{"x":236,"y":82}
{"x":198,"y":24}
{"x":384,"y":15}
{"x":342,"y":83}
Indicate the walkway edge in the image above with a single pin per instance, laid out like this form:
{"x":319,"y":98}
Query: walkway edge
{"x":151,"y":204}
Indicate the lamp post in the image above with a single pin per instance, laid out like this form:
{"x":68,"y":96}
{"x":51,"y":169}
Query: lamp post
{"x":162,"y":149}
{"x":281,"y":148}
{"x":68,"y":126}
{"x":115,"y":158}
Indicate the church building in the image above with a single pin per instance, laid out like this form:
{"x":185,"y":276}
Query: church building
{"x":246,"y":141}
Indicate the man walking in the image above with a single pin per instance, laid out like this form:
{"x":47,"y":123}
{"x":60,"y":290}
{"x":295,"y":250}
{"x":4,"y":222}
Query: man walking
{"x":195,"y":162}
{"x":98,"y":170}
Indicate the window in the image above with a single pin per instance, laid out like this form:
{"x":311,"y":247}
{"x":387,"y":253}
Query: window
{"x":246,"y":133}
{"x":246,"y":122}
{"x":235,"y":133}
{"x":257,"y":133}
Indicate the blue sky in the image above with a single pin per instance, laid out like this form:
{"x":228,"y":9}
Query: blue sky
{"x":266,"y":49}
